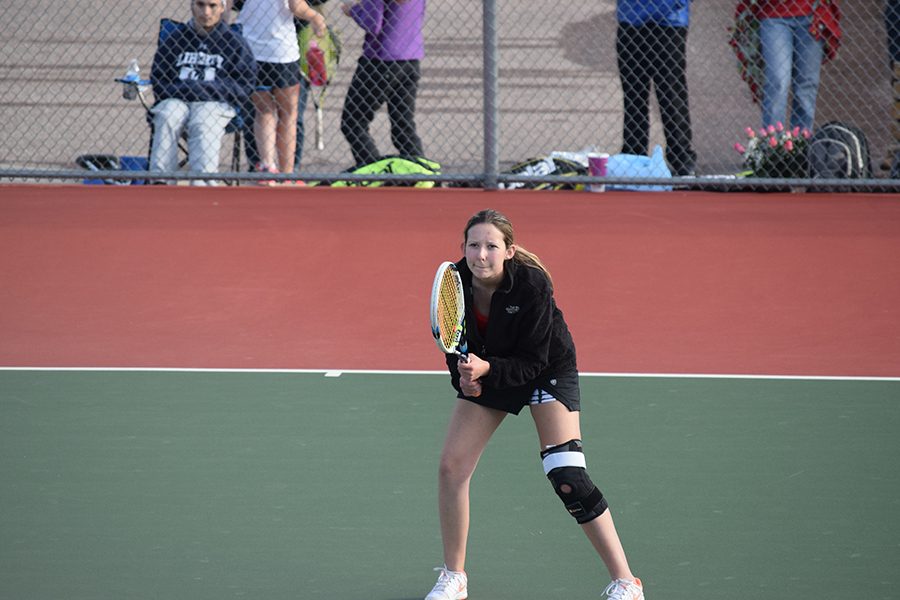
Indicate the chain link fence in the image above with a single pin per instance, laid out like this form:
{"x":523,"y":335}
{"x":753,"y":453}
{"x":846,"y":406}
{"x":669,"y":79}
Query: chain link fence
{"x":560,"y":74}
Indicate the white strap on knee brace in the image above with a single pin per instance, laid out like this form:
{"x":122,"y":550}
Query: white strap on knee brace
{"x":563,"y":459}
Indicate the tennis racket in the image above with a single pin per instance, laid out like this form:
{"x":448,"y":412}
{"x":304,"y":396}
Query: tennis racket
{"x":319,"y":59}
{"x":448,"y":311}
{"x":318,"y":98}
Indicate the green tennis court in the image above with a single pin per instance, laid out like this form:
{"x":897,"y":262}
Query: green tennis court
{"x":313,"y":485}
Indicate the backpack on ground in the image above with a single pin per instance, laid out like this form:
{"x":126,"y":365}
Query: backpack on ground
{"x":396,"y":165}
{"x":545,"y":165}
{"x":839,"y":151}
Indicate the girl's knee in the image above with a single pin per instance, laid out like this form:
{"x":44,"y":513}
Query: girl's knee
{"x":454,"y":471}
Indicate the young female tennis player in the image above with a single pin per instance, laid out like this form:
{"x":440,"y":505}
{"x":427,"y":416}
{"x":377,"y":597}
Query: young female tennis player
{"x":520,"y":354}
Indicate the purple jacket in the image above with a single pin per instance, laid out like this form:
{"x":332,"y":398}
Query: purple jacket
{"x":393,"y":28}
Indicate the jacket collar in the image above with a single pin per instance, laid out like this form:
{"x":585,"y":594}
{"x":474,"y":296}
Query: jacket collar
{"x":509,"y":276}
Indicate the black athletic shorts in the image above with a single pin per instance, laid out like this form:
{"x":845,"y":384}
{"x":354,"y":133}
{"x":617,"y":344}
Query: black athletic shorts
{"x":562,"y":388}
{"x":277,"y":75}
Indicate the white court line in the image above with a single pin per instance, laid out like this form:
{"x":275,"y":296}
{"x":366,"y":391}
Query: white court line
{"x":339,"y":372}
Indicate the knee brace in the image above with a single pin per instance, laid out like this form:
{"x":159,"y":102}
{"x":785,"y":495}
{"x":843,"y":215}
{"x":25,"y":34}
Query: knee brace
{"x":564,"y":466}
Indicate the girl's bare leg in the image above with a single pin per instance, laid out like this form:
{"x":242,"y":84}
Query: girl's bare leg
{"x":286,"y":100}
{"x":264,"y":126}
{"x":470,"y":428}
{"x":557,"y":425}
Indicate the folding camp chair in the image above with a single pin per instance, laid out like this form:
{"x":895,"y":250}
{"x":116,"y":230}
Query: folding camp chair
{"x":139,"y":89}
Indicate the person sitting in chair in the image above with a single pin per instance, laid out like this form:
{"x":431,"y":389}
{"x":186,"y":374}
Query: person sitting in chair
{"x":201,"y":73}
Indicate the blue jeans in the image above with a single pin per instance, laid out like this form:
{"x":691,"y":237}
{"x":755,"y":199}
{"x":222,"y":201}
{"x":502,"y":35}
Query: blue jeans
{"x":793,"y":58}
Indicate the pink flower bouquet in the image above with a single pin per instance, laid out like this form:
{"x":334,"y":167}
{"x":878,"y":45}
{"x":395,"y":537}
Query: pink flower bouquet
{"x":775,"y":152}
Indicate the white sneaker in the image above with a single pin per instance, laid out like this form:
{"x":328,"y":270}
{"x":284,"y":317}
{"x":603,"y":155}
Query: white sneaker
{"x":451,"y":585}
{"x":622,"y":589}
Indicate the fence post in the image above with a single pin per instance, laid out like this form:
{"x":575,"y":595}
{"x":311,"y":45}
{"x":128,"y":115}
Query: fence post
{"x":489,"y":37}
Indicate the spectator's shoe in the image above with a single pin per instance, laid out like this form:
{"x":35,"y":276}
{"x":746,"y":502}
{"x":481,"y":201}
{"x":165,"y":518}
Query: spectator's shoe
{"x":451,"y":585}
{"x":686,"y":170}
{"x":893,"y":161}
{"x":261,"y":168}
{"x":622,"y":589}
{"x":293,"y":183}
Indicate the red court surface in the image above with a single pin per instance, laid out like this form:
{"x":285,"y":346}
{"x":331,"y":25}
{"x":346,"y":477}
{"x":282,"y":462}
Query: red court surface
{"x":681,"y":282}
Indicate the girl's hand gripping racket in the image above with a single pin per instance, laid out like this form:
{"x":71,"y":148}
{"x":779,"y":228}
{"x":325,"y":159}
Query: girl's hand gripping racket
{"x":448,"y":318}
{"x":448,"y":311}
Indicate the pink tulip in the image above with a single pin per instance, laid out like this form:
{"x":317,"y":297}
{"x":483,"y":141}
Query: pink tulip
{"x":773,"y":142}
{"x":779,"y":126}
{"x":806,"y":133}
{"x":796,"y":131}
{"x":789,"y":146}
{"x":770,"y":129}
{"x":750,"y":133}
{"x":740,"y":148}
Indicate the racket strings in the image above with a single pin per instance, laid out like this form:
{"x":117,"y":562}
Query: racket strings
{"x":449,"y":309}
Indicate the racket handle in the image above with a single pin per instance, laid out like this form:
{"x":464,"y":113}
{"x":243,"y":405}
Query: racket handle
{"x":320,"y":130}
{"x":464,"y":356}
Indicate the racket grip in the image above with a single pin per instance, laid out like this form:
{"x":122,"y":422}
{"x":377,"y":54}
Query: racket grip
{"x":464,"y":356}
{"x":320,"y":130}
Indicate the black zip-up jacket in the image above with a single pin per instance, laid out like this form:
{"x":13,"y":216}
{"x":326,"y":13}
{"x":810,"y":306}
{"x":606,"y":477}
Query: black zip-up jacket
{"x":527,"y":340}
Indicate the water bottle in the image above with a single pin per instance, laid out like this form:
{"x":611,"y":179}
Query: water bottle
{"x":315,"y":60}
{"x":130,"y":80}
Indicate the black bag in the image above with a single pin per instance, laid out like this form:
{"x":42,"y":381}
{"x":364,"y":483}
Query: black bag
{"x":839,"y":151}
{"x":545,"y":165}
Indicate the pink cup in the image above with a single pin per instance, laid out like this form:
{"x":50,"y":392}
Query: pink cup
{"x":597,"y":168}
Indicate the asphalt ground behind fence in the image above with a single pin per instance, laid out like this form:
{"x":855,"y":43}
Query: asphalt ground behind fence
{"x":322,"y":484}
{"x":559,"y":88}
